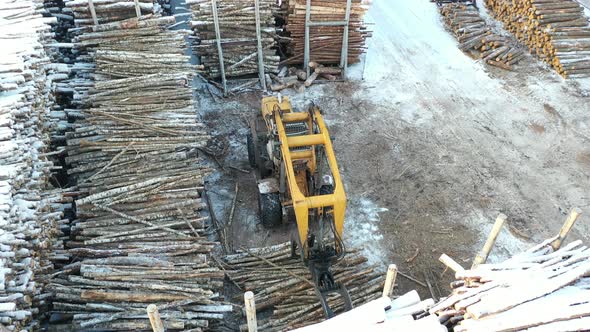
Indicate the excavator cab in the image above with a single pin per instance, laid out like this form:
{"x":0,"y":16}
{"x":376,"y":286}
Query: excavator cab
{"x":298,"y":176}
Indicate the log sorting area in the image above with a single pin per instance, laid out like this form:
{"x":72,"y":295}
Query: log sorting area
{"x":104,"y":221}
{"x":103,"y":215}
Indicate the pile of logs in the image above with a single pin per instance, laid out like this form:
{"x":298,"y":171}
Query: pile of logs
{"x":30,"y":209}
{"x":237,"y":31}
{"x":541,"y":287}
{"x":557,"y":31}
{"x":132,"y":158}
{"x":326,"y":41}
{"x":404,"y":313}
{"x":282,"y":284}
{"x":297,"y":78}
{"x":106,"y":11}
{"x":544,"y":288}
{"x":475,"y":35}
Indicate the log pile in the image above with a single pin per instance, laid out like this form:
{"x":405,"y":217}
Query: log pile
{"x":132,"y":157}
{"x":283,"y":284}
{"x":326,"y":42}
{"x":297,"y":78}
{"x":30,"y":210}
{"x":475,"y":35}
{"x":107,"y":11}
{"x":557,"y":31}
{"x":404,"y":313}
{"x":237,"y":28}
{"x":541,"y":289}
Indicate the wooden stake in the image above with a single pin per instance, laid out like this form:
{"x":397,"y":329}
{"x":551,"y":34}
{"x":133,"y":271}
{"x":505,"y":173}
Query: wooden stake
{"x":390,"y":280}
{"x":344,"y":51}
{"x":306,"y":48}
{"x":219,"y":48}
{"x":450,"y":263}
{"x":567,"y":226}
{"x":92,"y":11}
{"x":259,"y":47}
{"x":250,"y":312}
{"x":487,"y":248}
{"x":155,"y":319}
{"x":137,"y":9}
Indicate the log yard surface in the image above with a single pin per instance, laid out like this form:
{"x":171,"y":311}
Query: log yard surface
{"x":160,"y":161}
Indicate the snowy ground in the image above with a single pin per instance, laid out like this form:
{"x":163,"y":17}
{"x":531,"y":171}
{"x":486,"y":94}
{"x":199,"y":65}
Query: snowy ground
{"x":433,"y":145}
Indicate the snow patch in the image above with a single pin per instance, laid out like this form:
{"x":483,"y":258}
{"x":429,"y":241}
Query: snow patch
{"x":507,"y":245}
{"x":362,"y":229}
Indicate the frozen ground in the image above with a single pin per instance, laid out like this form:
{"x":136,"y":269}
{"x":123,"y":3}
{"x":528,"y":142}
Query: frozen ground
{"x":433,"y":146}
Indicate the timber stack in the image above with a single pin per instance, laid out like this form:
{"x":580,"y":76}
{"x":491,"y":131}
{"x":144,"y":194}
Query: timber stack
{"x":475,"y":35}
{"x":326,"y":41}
{"x":557,"y":31}
{"x":541,"y":289}
{"x":407,"y":312}
{"x":237,"y":29}
{"x":30,"y":208}
{"x":282,"y":284}
{"x":139,"y":236}
{"x":106,"y":11}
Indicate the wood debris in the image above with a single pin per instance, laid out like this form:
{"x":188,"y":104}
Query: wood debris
{"x":475,"y":35}
{"x":283,"y":284}
{"x":557,"y":31}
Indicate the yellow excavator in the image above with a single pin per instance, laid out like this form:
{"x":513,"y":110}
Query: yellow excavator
{"x":298,"y":176}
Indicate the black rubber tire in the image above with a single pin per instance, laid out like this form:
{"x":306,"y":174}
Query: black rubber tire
{"x":251,"y":150}
{"x":271,"y":211}
{"x":327,"y":189}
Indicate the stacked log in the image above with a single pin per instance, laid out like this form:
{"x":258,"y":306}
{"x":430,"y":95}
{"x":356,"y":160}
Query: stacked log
{"x":132,"y":158}
{"x":475,"y":35}
{"x":540,"y":289}
{"x":326,"y":42}
{"x":283,"y":285}
{"x":30,"y":209}
{"x":404,"y":313}
{"x":107,"y":11}
{"x":237,"y":28}
{"x":297,"y":78}
{"x":557,"y":31}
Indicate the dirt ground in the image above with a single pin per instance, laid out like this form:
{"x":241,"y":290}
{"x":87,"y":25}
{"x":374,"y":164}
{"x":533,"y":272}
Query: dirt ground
{"x":432,"y":146}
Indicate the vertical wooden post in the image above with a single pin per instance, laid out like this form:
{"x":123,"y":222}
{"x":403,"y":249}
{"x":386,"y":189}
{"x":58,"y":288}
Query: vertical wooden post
{"x":390,"y":280}
{"x":219,"y":48}
{"x":306,"y":50}
{"x":344,"y":51}
{"x":566,"y":228}
{"x":155,"y":319}
{"x":137,"y":8}
{"x":250,"y":312}
{"x":92,"y":12}
{"x":482,"y":256}
{"x":259,"y":46}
